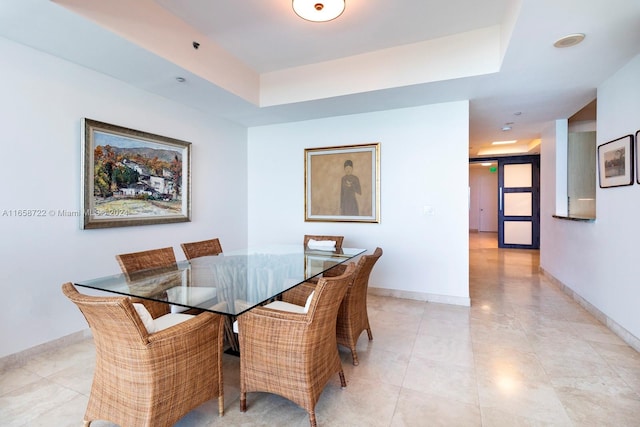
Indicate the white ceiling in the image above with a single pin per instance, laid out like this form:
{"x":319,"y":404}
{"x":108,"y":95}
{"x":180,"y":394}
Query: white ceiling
{"x":267,"y":36}
{"x":260,"y":64}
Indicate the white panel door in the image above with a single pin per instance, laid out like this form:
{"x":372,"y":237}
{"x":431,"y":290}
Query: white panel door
{"x":488,"y":202}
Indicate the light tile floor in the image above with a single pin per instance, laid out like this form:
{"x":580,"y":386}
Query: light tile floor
{"x":523,"y":354}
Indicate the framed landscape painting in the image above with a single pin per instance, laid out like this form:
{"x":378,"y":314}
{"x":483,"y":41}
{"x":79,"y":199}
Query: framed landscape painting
{"x":342,"y":184}
{"x":615,"y":162}
{"x":130,"y":177}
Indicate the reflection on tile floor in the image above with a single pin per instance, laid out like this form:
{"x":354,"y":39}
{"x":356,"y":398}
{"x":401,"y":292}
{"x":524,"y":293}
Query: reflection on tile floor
{"x":524,"y":354}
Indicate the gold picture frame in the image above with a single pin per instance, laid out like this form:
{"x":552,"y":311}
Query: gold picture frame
{"x":342,"y":184}
{"x":131,"y":177}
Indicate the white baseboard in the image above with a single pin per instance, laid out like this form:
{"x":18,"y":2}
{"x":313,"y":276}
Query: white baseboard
{"x":626,"y":336}
{"x":18,"y":359}
{"x":420,"y":296}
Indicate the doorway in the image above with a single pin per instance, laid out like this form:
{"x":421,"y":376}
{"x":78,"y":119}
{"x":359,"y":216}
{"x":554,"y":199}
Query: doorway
{"x":483,"y":197}
{"x":519,"y":202}
{"x":504,"y":199}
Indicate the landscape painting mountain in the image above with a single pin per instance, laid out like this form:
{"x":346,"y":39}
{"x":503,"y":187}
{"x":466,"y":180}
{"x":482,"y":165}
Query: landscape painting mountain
{"x":135,"y":178}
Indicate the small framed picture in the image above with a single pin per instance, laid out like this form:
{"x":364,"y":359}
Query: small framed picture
{"x":615,"y":162}
{"x":637,"y":160}
{"x":342,"y":184}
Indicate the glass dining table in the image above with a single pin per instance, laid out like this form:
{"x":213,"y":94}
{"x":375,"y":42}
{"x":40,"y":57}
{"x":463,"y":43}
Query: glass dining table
{"x":230,"y":283}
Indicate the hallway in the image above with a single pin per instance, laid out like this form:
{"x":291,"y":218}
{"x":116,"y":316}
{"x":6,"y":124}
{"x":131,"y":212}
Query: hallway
{"x":483,"y":240}
{"x":536,"y":348}
{"x":523,"y":354}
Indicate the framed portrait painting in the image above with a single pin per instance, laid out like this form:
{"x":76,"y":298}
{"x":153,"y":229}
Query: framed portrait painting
{"x":615,"y":162}
{"x":342,"y":184}
{"x":130,"y":177}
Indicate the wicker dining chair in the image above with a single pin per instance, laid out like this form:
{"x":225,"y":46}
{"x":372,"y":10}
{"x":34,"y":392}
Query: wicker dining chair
{"x":293,"y":354}
{"x":336,"y":271}
{"x":145,"y":378}
{"x":337,"y":239}
{"x":135,"y":264}
{"x":353,"y":318}
{"x":202,"y":248}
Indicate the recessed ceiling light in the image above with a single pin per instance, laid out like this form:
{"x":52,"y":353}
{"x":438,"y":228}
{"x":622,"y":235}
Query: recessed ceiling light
{"x":181,"y":79}
{"x":570,"y":40}
{"x":513,"y":141}
{"x":506,"y":128}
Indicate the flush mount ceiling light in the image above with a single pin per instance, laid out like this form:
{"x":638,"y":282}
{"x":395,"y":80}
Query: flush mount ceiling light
{"x":570,"y":40}
{"x":318,"y":10}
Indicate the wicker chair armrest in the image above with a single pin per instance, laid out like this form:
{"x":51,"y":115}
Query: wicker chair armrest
{"x":266,"y":319}
{"x":185,"y":330}
{"x":276,"y":315}
{"x":338,"y":270}
{"x":299,"y":294}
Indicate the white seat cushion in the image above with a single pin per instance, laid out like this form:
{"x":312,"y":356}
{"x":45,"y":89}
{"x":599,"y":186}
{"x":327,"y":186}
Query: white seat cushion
{"x":293,"y":308}
{"x":145,"y":316}
{"x":171,"y":319}
{"x":322,"y":245}
{"x":284,"y":306}
{"x":163,"y":322}
{"x":307,"y":304}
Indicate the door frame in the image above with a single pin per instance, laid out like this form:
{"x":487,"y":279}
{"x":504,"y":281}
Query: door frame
{"x":534,"y":159}
{"x":488,"y":203}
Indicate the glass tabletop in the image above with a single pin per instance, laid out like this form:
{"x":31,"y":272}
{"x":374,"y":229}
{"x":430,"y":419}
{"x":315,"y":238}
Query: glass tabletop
{"x":230,"y":283}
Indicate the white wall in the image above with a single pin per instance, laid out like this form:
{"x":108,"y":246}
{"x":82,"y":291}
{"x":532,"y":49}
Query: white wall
{"x":424,"y":153}
{"x":43,"y":99}
{"x":598,"y":260}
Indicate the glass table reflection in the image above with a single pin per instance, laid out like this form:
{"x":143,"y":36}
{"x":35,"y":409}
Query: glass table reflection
{"x":230,"y":283}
